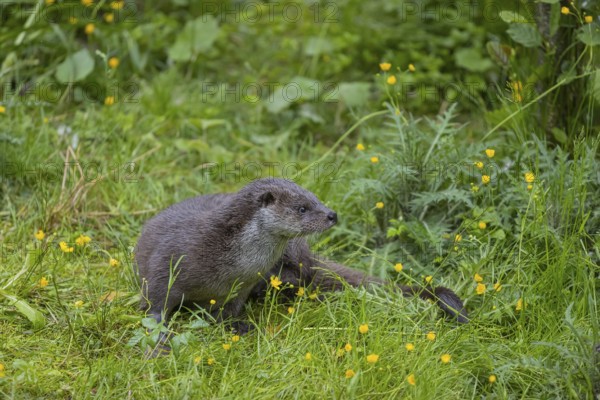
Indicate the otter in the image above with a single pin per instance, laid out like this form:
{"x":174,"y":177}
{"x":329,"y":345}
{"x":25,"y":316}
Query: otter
{"x":202,"y":249}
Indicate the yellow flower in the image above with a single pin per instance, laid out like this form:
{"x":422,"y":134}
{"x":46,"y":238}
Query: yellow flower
{"x":300,"y":292}
{"x":348,"y":347}
{"x":480,"y":288}
{"x":588,"y":19}
{"x":40,"y":235}
{"x":482,"y":225}
{"x":529,"y":187}
{"x":519,"y":305}
{"x":431,"y":336}
{"x":197,"y":359}
{"x":275,"y":282}
{"x":349,"y":373}
{"x":479,"y":164}
{"x":474,"y":188}
{"x":428,"y":278}
{"x":113,"y":62}
{"x":210,"y":361}
{"x":391,"y":80}
{"x":379,"y":204}
{"x":49,"y":2}
{"x":89,"y":29}
{"x":372,"y":358}
{"x":398,"y":267}
{"x":485,"y":179}
{"x":411,"y":68}
{"x":492,"y":379}
{"x":478,"y":278}
{"x":72,"y":20}
{"x":291,"y":310}
{"x":340,"y":352}
{"x":226,"y":346}
{"x":374,"y":159}
{"x":2,"y":109}
{"x":312,"y":296}
{"x":109,"y":100}
{"x":364,"y":328}
{"x":445,"y":358}
{"x":308,"y":356}
{"x":235,"y":338}
{"x":87,"y":3}
{"x":82,"y":240}
{"x":109,"y":17}
{"x":497,"y":286}
{"x":212,"y":302}
{"x":529,"y":177}
{"x":113,"y":262}
{"x":457,"y":237}
{"x":65,"y":247}
{"x":490,"y":152}
{"x":117,"y":5}
{"x":360,"y":147}
{"x":43,"y":282}
{"x":2,"y":368}
{"x":409,"y":347}
{"x":411,"y":379}
{"x":385,"y":66}
{"x":564,"y":10}
{"x":78,"y":304}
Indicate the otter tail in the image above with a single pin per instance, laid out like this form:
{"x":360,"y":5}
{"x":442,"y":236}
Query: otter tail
{"x":327,"y":275}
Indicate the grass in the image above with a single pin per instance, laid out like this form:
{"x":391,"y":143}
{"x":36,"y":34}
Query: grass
{"x":94,"y":349}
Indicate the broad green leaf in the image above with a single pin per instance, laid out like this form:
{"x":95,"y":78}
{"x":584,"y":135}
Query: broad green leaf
{"x":525,"y":34}
{"x":589,"y":34}
{"x":354,"y":93}
{"x":33,"y":315}
{"x":500,"y":53}
{"x":472,"y":60}
{"x":197,"y":36}
{"x":75,"y":68}
{"x":511,"y":17}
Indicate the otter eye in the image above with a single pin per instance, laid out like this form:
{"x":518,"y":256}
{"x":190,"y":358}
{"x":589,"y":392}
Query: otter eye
{"x":302,"y":210}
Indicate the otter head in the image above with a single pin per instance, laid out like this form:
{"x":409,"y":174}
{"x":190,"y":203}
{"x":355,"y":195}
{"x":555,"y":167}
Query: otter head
{"x":288,"y":210}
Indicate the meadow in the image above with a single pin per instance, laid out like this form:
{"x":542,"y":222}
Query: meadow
{"x":457,"y":142}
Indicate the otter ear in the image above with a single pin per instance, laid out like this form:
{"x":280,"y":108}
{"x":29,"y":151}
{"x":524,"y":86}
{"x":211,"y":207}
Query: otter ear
{"x":266,"y":198}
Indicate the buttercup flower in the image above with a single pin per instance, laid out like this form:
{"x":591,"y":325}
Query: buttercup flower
{"x":519,"y":305}
{"x":372,"y":358}
{"x":492,"y":379}
{"x":109,"y":17}
{"x":409,"y":347}
{"x":360,"y":147}
{"x":87,"y":3}
{"x":385,"y":66}
{"x":374,"y":159}
{"x":82,"y":240}
{"x":490,"y":152}
{"x":64,"y":247}
{"x":411,"y":68}
{"x":114,"y":262}
{"x":478,"y":164}
{"x":300,"y":292}
{"x":445,"y":358}
{"x":480,"y":288}
{"x":364,"y":328}
{"x":349,"y":373}
{"x":431,"y":336}
{"x":308,"y":356}
{"x":348,"y":347}
{"x":109,"y":100}
{"x":485,"y":179}
{"x":213,"y":302}
{"x":275,"y":282}
{"x":482,"y":225}
{"x":78,"y":304}
{"x":529,"y":177}
{"x":89,"y":29}
{"x":478,"y":278}
{"x":398,"y":267}
{"x":497,"y":286}
{"x":588,"y":19}
{"x":564,"y":10}
{"x":113,"y":62}
{"x":210,"y":361}
{"x":235,"y":338}
{"x":379,"y":204}
{"x":43,"y":282}
{"x":291,"y":310}
{"x":391,"y":80}
{"x":2,"y":109}
{"x":40,"y":235}
{"x":226,"y":346}
{"x":411,"y":379}
{"x":428,"y":278}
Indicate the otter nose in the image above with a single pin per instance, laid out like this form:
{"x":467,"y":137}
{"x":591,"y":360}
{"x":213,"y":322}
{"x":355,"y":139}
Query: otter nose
{"x":332,"y":216}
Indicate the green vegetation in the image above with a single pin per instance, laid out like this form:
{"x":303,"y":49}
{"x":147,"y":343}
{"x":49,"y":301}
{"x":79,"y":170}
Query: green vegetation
{"x":471,"y":161}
